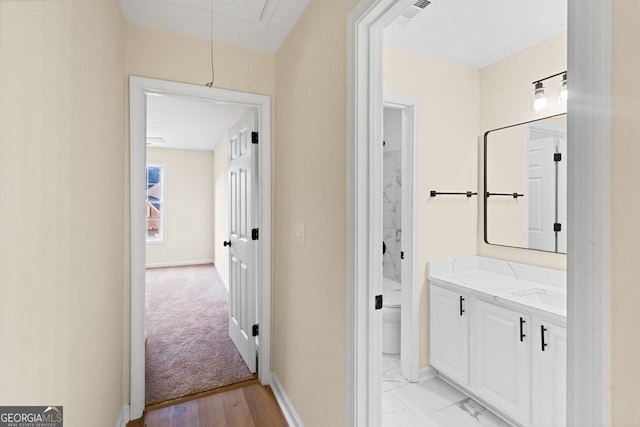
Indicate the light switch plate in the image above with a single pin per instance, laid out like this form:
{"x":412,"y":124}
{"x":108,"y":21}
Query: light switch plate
{"x":299,"y":234}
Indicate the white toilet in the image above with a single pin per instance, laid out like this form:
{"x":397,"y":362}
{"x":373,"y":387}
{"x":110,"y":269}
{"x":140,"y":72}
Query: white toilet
{"x":391,"y":297}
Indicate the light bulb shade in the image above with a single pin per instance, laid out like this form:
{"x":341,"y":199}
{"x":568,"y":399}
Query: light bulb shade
{"x":538,"y":98}
{"x":563,"y":93}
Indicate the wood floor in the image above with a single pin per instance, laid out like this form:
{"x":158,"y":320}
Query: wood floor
{"x":250,"y":406}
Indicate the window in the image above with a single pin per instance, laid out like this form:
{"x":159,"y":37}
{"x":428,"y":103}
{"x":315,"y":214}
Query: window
{"x":155,"y":202}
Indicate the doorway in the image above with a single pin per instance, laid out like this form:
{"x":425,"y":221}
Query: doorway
{"x":188,"y":346}
{"x":140,"y":90}
{"x":401,"y":114}
{"x":588,"y":206}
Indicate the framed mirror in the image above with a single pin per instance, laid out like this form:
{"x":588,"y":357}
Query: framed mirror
{"x":525,"y":183}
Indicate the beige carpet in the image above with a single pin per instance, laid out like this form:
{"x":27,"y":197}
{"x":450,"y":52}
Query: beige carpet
{"x":188,"y":348}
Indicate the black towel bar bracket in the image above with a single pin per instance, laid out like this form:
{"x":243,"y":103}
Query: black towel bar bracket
{"x":514,"y":195}
{"x":434,"y":193}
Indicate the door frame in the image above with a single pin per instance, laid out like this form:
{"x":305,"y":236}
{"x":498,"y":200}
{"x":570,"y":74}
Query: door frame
{"x":589,"y":233}
{"x":409,"y":107}
{"x":139,"y":87}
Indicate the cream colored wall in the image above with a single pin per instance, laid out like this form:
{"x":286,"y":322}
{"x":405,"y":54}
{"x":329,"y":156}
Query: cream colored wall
{"x":448,"y":96}
{"x":188,"y":228}
{"x":505,"y":88}
{"x":165,"y":55}
{"x":221,"y":200}
{"x":310,"y":290}
{"x":625,"y":221}
{"x":62,"y":149}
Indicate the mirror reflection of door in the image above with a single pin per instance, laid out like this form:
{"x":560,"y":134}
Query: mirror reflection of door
{"x":543,"y":183}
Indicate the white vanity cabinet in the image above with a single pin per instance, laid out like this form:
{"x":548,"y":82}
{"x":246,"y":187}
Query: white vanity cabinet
{"x":449,"y":333}
{"x":549,"y":374}
{"x":501,"y":359}
{"x":497,"y":331}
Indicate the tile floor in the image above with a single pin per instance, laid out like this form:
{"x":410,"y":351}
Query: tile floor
{"x":431,"y":403}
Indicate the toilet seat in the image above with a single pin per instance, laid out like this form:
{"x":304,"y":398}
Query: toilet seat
{"x":392,"y":299}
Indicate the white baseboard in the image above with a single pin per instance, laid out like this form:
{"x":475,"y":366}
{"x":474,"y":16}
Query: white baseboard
{"x":123,"y":418}
{"x":427,"y":373}
{"x":290,"y":414}
{"x":179,"y":263}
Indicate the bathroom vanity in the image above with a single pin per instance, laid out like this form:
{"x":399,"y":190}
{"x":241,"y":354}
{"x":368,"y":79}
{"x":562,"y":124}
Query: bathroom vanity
{"x":498,"y":332}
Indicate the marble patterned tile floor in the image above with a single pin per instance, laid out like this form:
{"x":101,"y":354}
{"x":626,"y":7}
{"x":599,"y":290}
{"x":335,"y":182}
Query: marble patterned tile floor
{"x":430,"y":403}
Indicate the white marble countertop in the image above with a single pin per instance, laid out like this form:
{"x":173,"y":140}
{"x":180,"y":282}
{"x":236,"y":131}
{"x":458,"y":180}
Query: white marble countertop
{"x":541,"y":291}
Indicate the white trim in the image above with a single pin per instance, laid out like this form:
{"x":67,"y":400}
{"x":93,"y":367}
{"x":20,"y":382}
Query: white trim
{"x":410,"y":294}
{"x":364,"y":207}
{"x":288,"y":410}
{"x":123,"y":417}
{"x":180,"y":263}
{"x":589,"y":207}
{"x":138,"y":88}
{"x":588,"y":262}
{"x":428,"y":373}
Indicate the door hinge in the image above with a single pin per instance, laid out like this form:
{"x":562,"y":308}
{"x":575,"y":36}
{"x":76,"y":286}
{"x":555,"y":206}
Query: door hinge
{"x":401,"y":254}
{"x":255,"y":330}
{"x":557,"y":157}
{"x":557,"y":227}
{"x":378,"y":302}
{"x":254,"y":234}
{"x":254,"y":137}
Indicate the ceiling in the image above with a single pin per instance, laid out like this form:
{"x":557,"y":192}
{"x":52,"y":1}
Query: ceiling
{"x":187,"y":123}
{"x":478,"y":33}
{"x":257,"y":24}
{"x":467,"y":32}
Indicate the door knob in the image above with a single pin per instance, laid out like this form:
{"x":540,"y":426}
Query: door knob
{"x":227,"y":243}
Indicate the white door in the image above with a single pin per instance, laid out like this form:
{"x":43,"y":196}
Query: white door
{"x":243,"y":250}
{"x":501,"y":354}
{"x":449,"y":333}
{"x":541,"y":193}
{"x":550,"y":378}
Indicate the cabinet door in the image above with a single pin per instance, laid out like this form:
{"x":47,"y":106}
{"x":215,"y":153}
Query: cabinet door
{"x":549,"y":375}
{"x":449,"y":333}
{"x":502,"y":359}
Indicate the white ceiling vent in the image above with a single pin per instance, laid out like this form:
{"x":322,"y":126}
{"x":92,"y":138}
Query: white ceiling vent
{"x":411,"y":12}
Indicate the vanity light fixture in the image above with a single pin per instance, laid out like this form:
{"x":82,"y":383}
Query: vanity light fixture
{"x":539,"y":100}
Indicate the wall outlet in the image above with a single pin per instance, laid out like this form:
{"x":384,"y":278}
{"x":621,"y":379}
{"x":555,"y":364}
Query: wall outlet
{"x":299,"y":234}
